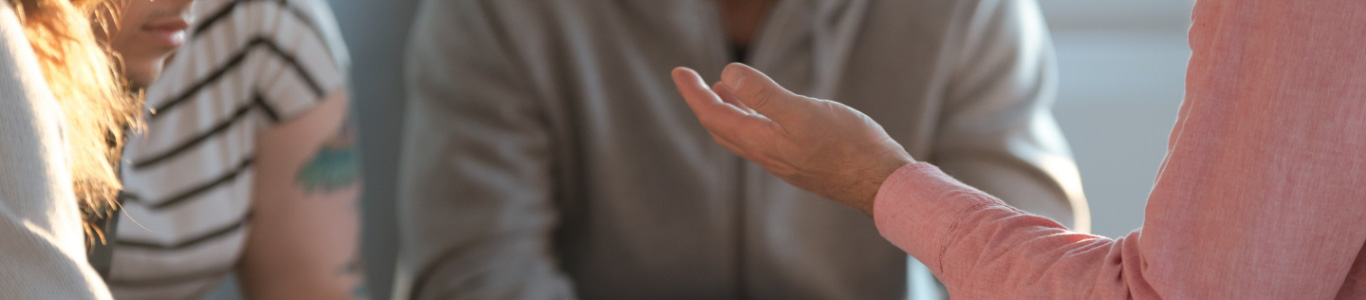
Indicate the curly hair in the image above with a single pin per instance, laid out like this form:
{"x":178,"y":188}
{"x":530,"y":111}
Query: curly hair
{"x":81,"y":72}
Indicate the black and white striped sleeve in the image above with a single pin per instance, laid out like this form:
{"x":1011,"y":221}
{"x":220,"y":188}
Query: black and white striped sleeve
{"x":302,"y":57}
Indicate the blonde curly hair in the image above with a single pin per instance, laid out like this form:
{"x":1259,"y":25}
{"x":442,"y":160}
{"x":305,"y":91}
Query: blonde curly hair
{"x":80,"y":69}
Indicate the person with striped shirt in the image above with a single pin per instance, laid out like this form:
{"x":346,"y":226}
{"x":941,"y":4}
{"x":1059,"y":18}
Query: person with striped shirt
{"x":246,"y":164}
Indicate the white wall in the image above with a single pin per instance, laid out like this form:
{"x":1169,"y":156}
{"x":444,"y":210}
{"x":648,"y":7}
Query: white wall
{"x":1122,"y":69}
{"x":1122,"y":64}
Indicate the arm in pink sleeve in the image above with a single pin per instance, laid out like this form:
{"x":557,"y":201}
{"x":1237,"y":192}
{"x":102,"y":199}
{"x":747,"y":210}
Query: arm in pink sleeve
{"x":1261,"y":195}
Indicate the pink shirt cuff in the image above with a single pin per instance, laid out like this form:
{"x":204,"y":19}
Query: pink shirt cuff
{"x":917,"y":207}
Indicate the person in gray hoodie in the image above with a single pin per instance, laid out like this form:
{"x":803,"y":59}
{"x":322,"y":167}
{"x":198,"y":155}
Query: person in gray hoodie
{"x":547,"y":156}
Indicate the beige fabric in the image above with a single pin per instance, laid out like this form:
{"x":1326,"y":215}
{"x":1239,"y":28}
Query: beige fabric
{"x":42,"y":252}
{"x":547,"y":155}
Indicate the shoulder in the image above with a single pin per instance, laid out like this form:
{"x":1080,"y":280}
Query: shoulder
{"x":15,"y":50}
{"x":22,"y":88}
{"x":285,"y":24}
{"x":319,"y":15}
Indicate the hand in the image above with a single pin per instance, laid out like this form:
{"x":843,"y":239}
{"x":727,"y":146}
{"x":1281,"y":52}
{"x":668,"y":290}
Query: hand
{"x":818,"y":145}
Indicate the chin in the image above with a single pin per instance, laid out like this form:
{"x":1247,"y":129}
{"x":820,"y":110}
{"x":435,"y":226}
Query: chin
{"x":141,"y":78}
{"x":140,"y":83}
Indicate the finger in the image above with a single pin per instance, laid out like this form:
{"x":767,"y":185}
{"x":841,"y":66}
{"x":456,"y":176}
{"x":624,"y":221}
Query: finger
{"x":726,"y":123}
{"x":760,"y":93}
{"x":709,"y":108}
{"x":729,"y":97}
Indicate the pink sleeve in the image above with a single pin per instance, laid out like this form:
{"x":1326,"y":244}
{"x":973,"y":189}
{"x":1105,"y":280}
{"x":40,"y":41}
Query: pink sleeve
{"x":1262,"y":194}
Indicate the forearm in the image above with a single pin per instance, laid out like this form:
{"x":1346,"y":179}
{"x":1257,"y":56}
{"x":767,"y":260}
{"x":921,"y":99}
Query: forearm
{"x":290,"y":268}
{"x":981,"y":248}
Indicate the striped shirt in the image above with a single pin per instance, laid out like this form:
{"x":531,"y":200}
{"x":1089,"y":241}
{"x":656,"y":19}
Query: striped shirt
{"x":246,"y":66}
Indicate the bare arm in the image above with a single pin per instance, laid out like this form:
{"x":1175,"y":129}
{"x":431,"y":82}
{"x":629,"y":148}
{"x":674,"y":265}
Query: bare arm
{"x":305,"y":226}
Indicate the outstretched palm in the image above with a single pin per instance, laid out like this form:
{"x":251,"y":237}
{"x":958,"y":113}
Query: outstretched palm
{"x":818,"y":145}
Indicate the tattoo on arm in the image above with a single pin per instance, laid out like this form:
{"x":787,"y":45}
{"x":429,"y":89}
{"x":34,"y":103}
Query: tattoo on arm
{"x":356,"y":269}
{"x":336,"y":165}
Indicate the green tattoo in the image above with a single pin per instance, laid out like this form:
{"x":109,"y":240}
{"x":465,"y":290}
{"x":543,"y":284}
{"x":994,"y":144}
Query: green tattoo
{"x":360,"y":291}
{"x":357,"y":268}
{"x":336,"y":165}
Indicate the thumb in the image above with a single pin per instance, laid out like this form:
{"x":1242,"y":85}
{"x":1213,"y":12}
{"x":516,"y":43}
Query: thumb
{"x":759,"y":92}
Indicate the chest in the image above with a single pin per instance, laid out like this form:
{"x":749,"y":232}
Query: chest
{"x":887,"y":60}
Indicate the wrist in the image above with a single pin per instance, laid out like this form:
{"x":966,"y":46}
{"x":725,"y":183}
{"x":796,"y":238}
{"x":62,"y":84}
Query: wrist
{"x":874,"y":177}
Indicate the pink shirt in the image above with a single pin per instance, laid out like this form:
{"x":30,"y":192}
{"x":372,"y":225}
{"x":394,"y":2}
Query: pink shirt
{"x":1262,"y":194}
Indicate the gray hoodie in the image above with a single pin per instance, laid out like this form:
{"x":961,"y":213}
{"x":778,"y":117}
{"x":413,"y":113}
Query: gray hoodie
{"x":547,"y":155}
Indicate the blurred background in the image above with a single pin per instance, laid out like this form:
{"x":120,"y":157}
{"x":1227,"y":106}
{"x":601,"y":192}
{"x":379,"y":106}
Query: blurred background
{"x":1122,"y":68}
{"x":1122,"y":76}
